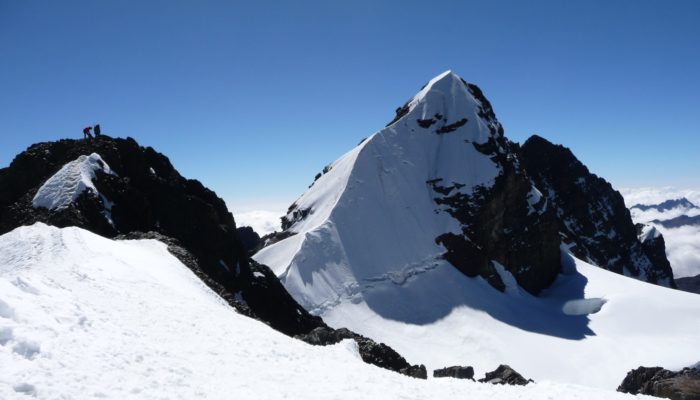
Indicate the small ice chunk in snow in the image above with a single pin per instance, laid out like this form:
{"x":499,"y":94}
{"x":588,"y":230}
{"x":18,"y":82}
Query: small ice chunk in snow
{"x":583,"y":306}
{"x":70,"y":181}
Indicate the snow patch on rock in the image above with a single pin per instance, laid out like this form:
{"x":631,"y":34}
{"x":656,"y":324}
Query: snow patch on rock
{"x":71,"y":181}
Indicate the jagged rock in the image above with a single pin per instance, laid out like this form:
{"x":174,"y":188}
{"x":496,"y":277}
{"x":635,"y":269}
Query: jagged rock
{"x":249,"y":238}
{"x":505,"y":375}
{"x":371,"y":352}
{"x":594,"y":219}
{"x":146,"y":194}
{"x":660,"y":382}
{"x":654,"y":246}
{"x":689,"y":284}
{"x":454,"y":372}
{"x":501,"y":223}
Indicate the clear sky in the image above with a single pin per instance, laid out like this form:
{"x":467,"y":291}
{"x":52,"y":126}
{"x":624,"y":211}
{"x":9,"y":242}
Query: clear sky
{"x":253,"y":98}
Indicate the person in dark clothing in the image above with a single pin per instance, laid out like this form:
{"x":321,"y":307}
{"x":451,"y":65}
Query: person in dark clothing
{"x":97,"y":130}
{"x":86,"y":132}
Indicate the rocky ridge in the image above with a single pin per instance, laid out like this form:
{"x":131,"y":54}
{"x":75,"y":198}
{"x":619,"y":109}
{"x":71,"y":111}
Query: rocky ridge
{"x":594,"y":220}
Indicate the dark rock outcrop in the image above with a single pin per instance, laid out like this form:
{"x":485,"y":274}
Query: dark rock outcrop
{"x":149,"y":195}
{"x":689,"y":284}
{"x":660,"y":382}
{"x":505,"y":375}
{"x":594,"y":219}
{"x":250,"y":239}
{"x":654,"y":247}
{"x":371,"y":352}
{"x":454,"y":372}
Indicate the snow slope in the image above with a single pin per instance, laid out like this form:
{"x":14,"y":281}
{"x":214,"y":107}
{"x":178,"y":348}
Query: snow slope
{"x":82,"y":317}
{"x":364,"y":257}
{"x":71,"y":181}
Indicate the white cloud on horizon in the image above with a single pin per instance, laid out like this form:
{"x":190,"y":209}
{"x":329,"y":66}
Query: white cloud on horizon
{"x":682,"y":244}
{"x":656,"y":195}
{"x":262,"y":221}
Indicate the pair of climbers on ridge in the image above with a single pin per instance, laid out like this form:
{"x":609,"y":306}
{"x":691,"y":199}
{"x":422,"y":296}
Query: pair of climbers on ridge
{"x":97,"y":130}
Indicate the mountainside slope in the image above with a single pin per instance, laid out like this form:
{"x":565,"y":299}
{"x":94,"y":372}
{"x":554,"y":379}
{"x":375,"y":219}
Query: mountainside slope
{"x":82,"y":316}
{"x":113,"y":186}
{"x":593,"y":214}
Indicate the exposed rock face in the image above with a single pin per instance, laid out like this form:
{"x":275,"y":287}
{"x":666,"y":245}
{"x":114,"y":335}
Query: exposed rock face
{"x":146,"y":194}
{"x":371,"y":352}
{"x":454,"y":372}
{"x":249,"y":238}
{"x":654,"y":246}
{"x":508,"y":222}
{"x":659,"y":382}
{"x":689,"y":284}
{"x":505,"y":375}
{"x":593,"y":216}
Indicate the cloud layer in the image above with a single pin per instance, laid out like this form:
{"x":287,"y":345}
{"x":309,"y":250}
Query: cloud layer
{"x":682,"y":244}
{"x":262,"y":221}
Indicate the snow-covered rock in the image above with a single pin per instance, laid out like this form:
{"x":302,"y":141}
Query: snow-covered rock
{"x":71,"y":181}
{"x":82,"y":317}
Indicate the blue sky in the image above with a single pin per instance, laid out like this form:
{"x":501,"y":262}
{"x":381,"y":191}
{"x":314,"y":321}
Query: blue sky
{"x":254,"y":98}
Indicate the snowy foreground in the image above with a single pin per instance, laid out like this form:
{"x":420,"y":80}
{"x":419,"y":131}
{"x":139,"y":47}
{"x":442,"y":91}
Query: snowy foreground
{"x":82,"y":316}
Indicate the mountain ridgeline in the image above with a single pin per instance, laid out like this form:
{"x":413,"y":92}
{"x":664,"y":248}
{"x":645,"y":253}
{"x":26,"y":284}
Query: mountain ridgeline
{"x":441,"y":182}
{"x":144,"y":193}
{"x":594,"y":221}
{"x":120,"y":190}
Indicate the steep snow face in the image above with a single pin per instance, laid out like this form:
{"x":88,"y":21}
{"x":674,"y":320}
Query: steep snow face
{"x":372,"y":217}
{"x":82,"y":316}
{"x":71,"y":181}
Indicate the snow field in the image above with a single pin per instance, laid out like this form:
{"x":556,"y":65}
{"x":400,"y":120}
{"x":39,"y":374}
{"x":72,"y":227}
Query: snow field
{"x":85,"y":317}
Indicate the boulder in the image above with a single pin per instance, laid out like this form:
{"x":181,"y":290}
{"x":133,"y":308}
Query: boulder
{"x":505,"y":375}
{"x":454,"y":372}
{"x":660,"y":382}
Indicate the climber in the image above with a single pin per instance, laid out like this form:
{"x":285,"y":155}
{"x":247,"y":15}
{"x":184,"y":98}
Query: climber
{"x":97,"y":130}
{"x":86,"y":132}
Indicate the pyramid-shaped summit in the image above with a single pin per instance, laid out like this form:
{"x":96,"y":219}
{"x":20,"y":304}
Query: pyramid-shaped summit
{"x":438,"y":191}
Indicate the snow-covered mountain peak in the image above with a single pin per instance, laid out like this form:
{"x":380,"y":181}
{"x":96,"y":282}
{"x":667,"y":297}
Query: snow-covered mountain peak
{"x":447,"y":104}
{"x":409,"y":200}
